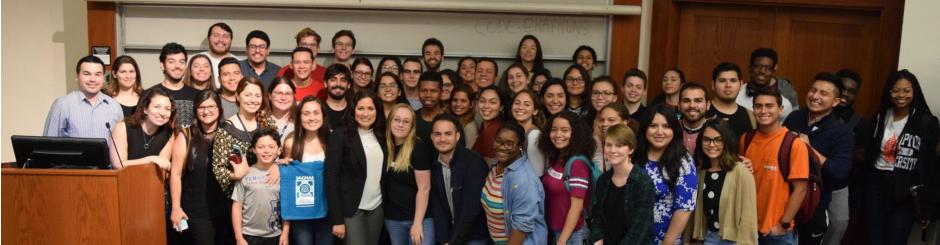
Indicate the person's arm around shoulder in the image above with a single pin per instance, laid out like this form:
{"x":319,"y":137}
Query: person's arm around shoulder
{"x":176,"y":179}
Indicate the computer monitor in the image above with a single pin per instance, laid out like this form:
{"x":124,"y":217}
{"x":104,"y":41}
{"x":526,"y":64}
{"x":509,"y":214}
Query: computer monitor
{"x":61,"y":152}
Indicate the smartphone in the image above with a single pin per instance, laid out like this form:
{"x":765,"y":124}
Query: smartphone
{"x":183,"y":226}
{"x":235,"y":156}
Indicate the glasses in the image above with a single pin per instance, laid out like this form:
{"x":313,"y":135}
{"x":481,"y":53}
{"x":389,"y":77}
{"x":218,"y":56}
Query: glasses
{"x":281,"y":94}
{"x":208,"y":108}
{"x":717,"y":141}
{"x":574,"y":80}
{"x":257,"y":47}
{"x":602,"y":93}
{"x":389,"y":67}
{"x":505,"y":144}
{"x":362,"y":74}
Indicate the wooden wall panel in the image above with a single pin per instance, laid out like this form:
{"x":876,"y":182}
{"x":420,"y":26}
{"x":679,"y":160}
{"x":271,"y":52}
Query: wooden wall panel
{"x":809,"y":36}
{"x":624,"y":42}
{"x":710,"y":35}
{"x":102,"y":26}
{"x":826,"y":41}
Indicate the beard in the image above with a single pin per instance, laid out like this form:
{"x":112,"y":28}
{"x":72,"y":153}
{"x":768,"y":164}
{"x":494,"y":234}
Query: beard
{"x":337,"y":96}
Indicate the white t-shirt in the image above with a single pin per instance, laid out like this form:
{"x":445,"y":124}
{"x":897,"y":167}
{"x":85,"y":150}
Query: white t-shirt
{"x":372,"y":190}
{"x":889,"y":142}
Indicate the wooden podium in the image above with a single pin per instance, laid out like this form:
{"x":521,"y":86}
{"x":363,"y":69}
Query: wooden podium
{"x":72,"y":206}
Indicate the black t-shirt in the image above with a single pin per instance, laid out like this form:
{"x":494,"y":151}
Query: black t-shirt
{"x":184,"y":100}
{"x":614,"y":213}
{"x":401,"y":187}
{"x":740,"y":121}
{"x":337,"y":118}
{"x":714,"y":181}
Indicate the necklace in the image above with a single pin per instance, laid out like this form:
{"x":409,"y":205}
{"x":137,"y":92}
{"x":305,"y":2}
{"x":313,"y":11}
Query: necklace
{"x":147,"y":142}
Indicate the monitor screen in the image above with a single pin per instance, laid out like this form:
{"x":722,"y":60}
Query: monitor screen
{"x":60,"y":152}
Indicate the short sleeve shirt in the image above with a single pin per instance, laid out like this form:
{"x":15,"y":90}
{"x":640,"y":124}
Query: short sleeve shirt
{"x":261,"y":212}
{"x":558,"y":197}
{"x":773,"y":190}
{"x":669,"y":200}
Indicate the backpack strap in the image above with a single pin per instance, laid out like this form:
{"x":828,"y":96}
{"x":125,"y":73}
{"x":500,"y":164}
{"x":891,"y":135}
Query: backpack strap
{"x":783,"y":155}
{"x":748,"y":137}
{"x":567,"y":166}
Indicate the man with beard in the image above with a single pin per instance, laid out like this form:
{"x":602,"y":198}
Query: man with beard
{"x":457,"y":178}
{"x":258,"y":47}
{"x":693,"y":103}
{"x":763,"y":66}
{"x":306,"y":85}
{"x":173,"y":63}
{"x":726,"y":82}
{"x":220,"y":43}
{"x":411,"y":71}
{"x":85,"y":112}
{"x":432,"y":52}
{"x":337,"y":83}
{"x":344,"y":45}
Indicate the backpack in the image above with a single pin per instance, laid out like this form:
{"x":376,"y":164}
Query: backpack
{"x":814,"y":182}
{"x":595,"y":174}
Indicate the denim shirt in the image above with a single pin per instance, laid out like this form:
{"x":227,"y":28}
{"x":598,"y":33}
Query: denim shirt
{"x":524,"y":200}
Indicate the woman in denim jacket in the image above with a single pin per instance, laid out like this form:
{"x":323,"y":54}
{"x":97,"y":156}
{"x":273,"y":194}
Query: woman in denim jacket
{"x":515,"y":216}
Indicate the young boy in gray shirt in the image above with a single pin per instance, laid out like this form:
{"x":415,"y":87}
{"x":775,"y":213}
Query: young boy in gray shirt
{"x":255,"y":209}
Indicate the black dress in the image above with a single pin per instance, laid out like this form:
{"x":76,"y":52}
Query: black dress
{"x":141,"y":145}
{"x":128,"y":110}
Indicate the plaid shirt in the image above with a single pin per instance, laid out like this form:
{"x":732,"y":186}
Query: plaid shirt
{"x":638,"y":203}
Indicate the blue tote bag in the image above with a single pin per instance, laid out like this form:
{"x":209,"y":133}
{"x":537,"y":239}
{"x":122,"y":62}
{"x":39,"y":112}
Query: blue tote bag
{"x":302,"y":193}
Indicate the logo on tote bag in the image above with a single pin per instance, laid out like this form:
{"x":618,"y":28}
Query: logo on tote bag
{"x":304,"y":196}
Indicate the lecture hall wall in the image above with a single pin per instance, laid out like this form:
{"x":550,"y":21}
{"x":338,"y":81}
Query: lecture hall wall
{"x":42,"y":40}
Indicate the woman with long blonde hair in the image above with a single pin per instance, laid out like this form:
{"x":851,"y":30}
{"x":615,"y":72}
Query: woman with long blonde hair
{"x":408,"y":182}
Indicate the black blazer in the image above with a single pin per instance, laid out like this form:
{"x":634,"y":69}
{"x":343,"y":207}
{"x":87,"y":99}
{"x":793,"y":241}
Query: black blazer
{"x":468,"y":173}
{"x":345,"y":172}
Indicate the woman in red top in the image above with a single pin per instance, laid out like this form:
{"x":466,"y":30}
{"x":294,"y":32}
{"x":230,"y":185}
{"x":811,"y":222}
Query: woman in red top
{"x":567,"y":188}
{"x":491,"y":110}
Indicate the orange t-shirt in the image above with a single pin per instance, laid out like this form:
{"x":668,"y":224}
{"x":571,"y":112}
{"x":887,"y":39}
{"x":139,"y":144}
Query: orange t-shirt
{"x":772,"y":190}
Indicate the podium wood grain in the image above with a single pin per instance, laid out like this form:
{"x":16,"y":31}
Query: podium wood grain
{"x":55,"y":206}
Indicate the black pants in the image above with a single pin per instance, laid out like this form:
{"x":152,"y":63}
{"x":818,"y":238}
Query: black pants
{"x":889,"y":220}
{"x":812,"y":231}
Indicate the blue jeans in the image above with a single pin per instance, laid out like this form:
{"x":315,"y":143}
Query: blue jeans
{"x":712,"y":238}
{"x":788,"y":238}
{"x":577,"y":237}
{"x":311,"y":231}
{"x":399,"y":231}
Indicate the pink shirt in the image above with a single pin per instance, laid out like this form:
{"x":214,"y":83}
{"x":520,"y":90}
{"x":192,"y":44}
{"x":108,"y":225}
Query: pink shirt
{"x":558,"y":198}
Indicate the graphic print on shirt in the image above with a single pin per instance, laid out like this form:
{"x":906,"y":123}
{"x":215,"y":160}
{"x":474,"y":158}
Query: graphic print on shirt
{"x":906,"y":147}
{"x":304,"y":187}
{"x":890,"y":150}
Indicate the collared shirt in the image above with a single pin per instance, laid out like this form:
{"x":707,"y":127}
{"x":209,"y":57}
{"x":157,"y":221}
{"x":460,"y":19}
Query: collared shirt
{"x":524,"y":200}
{"x":74,"y":116}
{"x":266,"y":76}
{"x":445,"y":172}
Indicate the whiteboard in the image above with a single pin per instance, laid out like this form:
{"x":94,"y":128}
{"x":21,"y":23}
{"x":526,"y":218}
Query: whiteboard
{"x":146,"y":28}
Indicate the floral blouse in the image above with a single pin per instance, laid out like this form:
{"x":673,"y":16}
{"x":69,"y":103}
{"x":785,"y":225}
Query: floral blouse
{"x":227,"y":138}
{"x":670,"y":200}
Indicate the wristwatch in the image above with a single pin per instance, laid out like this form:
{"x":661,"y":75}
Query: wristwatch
{"x":785,"y":225}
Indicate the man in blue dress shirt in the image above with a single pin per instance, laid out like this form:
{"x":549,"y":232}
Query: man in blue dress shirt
{"x":86,"y":113}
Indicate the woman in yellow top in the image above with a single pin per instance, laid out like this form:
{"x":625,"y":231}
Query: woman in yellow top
{"x":726,"y":206}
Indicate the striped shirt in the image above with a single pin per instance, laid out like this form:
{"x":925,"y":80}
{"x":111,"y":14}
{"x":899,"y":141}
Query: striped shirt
{"x":74,"y":116}
{"x":492,"y":198}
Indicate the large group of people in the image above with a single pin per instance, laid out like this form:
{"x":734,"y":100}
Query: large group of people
{"x":414,"y":153}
